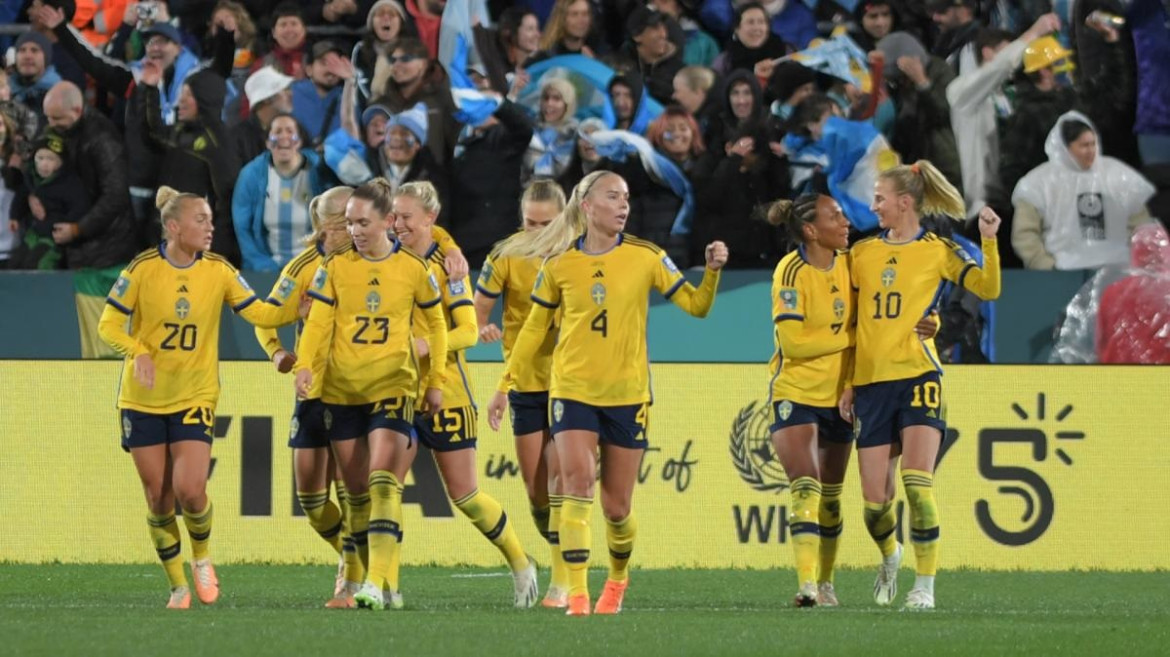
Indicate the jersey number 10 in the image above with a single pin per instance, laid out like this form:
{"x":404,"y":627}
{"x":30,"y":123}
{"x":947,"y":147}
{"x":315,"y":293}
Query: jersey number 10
{"x":893,"y":305}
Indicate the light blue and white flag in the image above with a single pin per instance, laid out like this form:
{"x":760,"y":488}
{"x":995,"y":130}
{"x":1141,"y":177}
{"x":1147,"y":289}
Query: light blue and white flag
{"x":617,"y":145}
{"x":590,"y":79}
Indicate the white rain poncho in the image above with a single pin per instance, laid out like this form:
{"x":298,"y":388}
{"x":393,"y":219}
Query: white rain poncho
{"x":1086,"y":212}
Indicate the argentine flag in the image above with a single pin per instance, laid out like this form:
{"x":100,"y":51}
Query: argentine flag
{"x":838,"y":56}
{"x":617,"y":145}
{"x":590,"y":79}
{"x":472,"y":107}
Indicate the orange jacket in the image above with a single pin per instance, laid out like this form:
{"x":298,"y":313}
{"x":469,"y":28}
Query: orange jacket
{"x":99,"y":20}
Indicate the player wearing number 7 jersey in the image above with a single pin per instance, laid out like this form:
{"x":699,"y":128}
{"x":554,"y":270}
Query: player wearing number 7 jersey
{"x":600,"y":394}
{"x":172,"y":296}
{"x":896,"y":402}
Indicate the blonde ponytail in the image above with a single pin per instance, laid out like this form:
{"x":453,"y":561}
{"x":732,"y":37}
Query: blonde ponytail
{"x":930,"y":189}
{"x":558,"y":236}
{"x":169,"y":202}
{"x":423,"y":192}
{"x":327,"y":210}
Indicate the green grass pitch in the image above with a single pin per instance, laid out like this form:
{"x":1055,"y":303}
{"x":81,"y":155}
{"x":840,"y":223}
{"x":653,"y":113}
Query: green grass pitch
{"x":276,"y":610}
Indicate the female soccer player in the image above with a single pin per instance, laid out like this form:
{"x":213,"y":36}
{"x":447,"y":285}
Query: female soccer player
{"x":451,"y":431}
{"x":364,"y":297}
{"x":896,"y":402}
{"x":600,"y":392}
{"x":173,"y":295}
{"x":528,"y":395}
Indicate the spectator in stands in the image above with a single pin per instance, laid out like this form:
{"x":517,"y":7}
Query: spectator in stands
{"x":751,"y":43}
{"x":413,"y":77}
{"x":699,"y":48}
{"x":917,"y":83}
{"x":486,"y":179}
{"x":197,"y":156}
{"x":401,"y":156}
{"x":1041,"y":98}
{"x":427,"y":16}
{"x":25,"y":122}
{"x":1132,"y":318}
{"x":289,"y":41}
{"x":552,"y":144}
{"x":105,"y":235}
{"x":385,"y":22}
{"x":692,"y":90}
{"x":350,"y":14}
{"x":35,"y":74}
{"x":656,"y":57}
{"x":268,"y":95}
{"x":585,"y":160}
{"x":790,"y":83}
{"x":625,"y":93}
{"x":1147,"y":20}
{"x":793,"y":22}
{"x":742,"y":112}
{"x":507,"y":47}
{"x":1077,"y":210}
{"x":873,"y":20}
{"x":231,"y":16}
{"x":52,"y":195}
{"x":62,"y":60}
{"x":569,"y":29}
{"x":270,"y":203}
{"x":958,"y":27}
{"x":316,"y":99}
{"x":129,"y":42}
{"x":10,"y":183}
{"x":1106,"y":81}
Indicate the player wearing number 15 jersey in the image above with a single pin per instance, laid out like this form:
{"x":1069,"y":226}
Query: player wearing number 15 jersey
{"x":172,"y":296}
{"x":601,"y":280}
{"x":897,"y":395}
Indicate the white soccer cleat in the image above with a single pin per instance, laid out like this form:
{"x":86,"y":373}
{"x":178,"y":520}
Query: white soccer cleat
{"x":826,"y":595}
{"x":555,"y":598}
{"x":525,"y":586}
{"x":807,"y":596}
{"x":885,"y":587}
{"x":369,"y":596}
{"x":919,"y":599}
{"x":393,"y":600}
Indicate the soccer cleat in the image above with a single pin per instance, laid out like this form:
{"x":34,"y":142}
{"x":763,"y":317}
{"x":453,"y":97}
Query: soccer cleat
{"x":206,"y":583}
{"x":393,"y":600}
{"x":180,"y":598}
{"x":555,"y":598}
{"x":610,"y":601}
{"x":339,"y":580}
{"x":343,"y":600}
{"x":369,"y":596}
{"x":807,"y":596}
{"x":578,"y":605}
{"x":826,"y":596}
{"x":525,"y":586}
{"x":885,"y":587}
{"x":919,"y":599}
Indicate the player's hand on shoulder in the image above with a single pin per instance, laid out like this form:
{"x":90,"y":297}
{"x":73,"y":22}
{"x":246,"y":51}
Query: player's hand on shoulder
{"x":456,"y":264}
{"x":716,"y":255}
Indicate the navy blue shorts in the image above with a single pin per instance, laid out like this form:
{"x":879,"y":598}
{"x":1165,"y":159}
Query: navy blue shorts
{"x":882,"y":410}
{"x":145,"y":429}
{"x":830,"y":425}
{"x":448,"y":430}
{"x":622,"y":426}
{"x":307,"y":429}
{"x":529,"y":412}
{"x":343,"y":422}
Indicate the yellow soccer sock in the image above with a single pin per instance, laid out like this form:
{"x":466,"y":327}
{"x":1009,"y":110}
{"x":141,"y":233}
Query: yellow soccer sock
{"x":199,"y":530}
{"x":575,"y":542}
{"x":881,"y":522}
{"x":324,"y":516}
{"x":342,"y":504}
{"x":395,"y":567}
{"x":164,"y":532}
{"x":923,"y":519}
{"x":560,"y":573}
{"x":383,"y":527}
{"x":831,"y":523}
{"x":359,"y":518}
{"x":540,"y":516}
{"x":488,"y":517}
{"x":620,"y":535}
{"x":803,"y":526}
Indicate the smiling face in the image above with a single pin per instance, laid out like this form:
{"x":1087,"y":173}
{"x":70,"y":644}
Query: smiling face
{"x":830,"y":229}
{"x":678,"y":138}
{"x":188,"y":107}
{"x":607,"y":205}
{"x":753,"y":28}
{"x":407,"y":67}
{"x":387,"y":23}
{"x":877,"y":21}
{"x":284,"y":140}
{"x":578,"y":19}
{"x":366,"y":226}
{"x":401,"y":146}
{"x":289,"y":32}
{"x":193,"y":229}
{"x":741,"y":100}
{"x":652,"y":42}
{"x":412,"y":223}
{"x":528,"y":36}
{"x":888,"y":205}
{"x":552,"y":106}
{"x":162,"y":50}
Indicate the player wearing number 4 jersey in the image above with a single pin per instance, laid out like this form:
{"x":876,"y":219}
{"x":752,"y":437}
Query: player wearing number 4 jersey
{"x":600,"y":279}
{"x":363,"y":300}
{"x":173,"y":296}
{"x":897,"y":403}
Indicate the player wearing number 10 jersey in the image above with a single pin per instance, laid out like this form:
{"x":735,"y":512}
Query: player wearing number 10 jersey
{"x":897,"y":402}
{"x":172,"y":296}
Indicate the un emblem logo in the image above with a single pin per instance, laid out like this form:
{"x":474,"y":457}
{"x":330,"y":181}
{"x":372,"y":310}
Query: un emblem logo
{"x":751,"y":449}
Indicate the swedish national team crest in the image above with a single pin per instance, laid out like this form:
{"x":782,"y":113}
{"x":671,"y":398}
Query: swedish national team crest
{"x":751,"y":449}
{"x":485,"y":275}
{"x":597,"y":293}
{"x":558,"y":410}
{"x":182,"y":308}
{"x":120,"y":286}
{"x":456,"y":288}
{"x":286,"y":287}
{"x":319,"y":279}
{"x":373,"y":301}
{"x":327,"y":418}
{"x":126,"y":426}
{"x":839,"y":309}
{"x":888,"y":276}
{"x":784,"y":409}
{"x":789,"y":298}
{"x":293,"y":427}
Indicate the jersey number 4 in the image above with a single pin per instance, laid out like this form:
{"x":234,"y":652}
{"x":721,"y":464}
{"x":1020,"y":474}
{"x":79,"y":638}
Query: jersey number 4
{"x":379,"y":333}
{"x":601,"y":323}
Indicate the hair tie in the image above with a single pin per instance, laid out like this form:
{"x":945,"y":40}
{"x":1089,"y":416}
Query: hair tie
{"x":915,"y":170}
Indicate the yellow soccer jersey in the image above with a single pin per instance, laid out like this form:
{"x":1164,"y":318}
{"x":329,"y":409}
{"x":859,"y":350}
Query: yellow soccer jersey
{"x":366,"y":307}
{"x":897,"y":285}
{"x":286,"y":294}
{"x":462,"y":332}
{"x":513,"y":278}
{"x":600,"y":357}
{"x":174,"y":316}
{"x":812,"y":314}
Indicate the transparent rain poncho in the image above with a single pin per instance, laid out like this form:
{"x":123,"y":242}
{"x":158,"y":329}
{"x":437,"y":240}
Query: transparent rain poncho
{"x":1122,"y":315}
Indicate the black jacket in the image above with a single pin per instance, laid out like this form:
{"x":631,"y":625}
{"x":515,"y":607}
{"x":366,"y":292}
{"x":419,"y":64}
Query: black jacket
{"x":422,"y":168}
{"x":198,"y":158}
{"x":731,"y":205}
{"x":94,"y":150}
{"x":922,"y":126}
{"x":486,"y":181}
{"x":724,"y":126}
{"x":1022,"y":142}
{"x":658,"y":78}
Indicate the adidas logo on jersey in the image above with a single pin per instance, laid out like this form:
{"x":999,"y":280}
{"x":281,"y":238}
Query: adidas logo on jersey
{"x":892,"y":261}
{"x":599,"y":274}
{"x":183,"y":289}
{"x":834,"y":290}
{"x":374,"y":281}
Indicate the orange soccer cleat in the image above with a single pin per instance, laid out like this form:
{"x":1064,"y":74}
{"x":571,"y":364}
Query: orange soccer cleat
{"x":610,"y":601}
